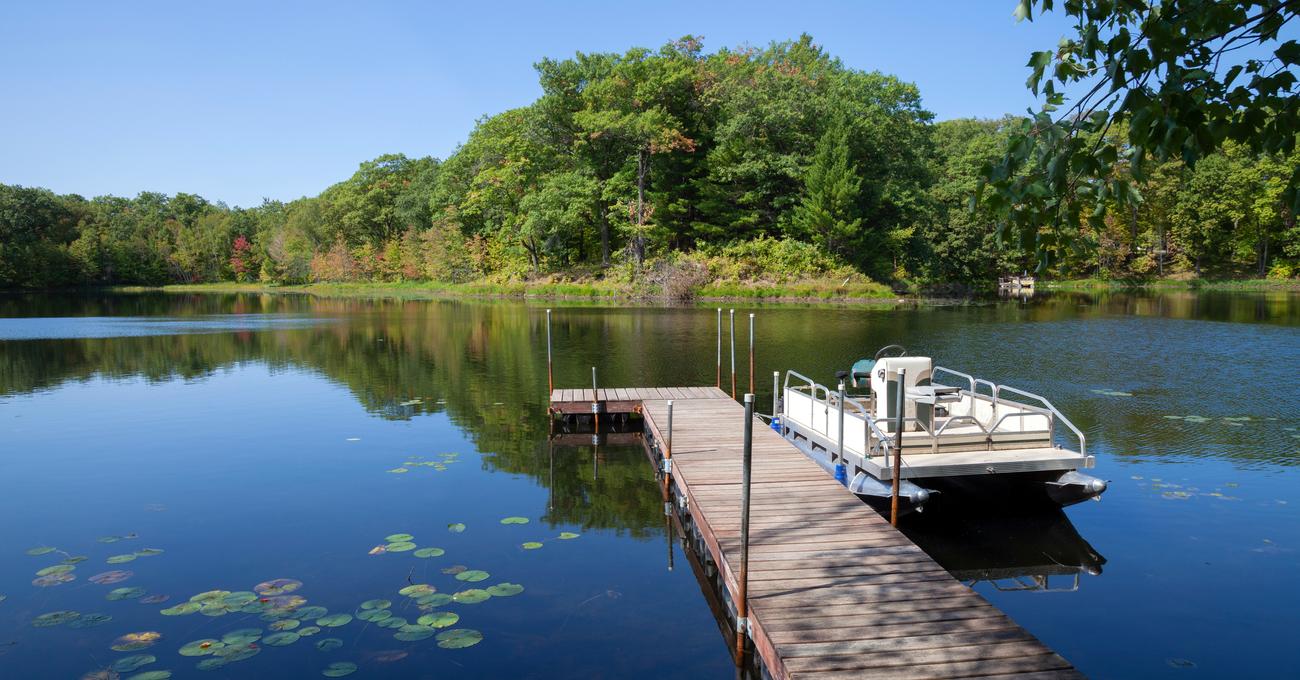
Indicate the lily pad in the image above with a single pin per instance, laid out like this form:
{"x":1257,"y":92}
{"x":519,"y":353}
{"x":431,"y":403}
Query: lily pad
{"x":471,"y":596}
{"x":53,"y":580}
{"x":243,"y":636}
{"x":182,"y":609}
{"x":56,"y":569}
{"x":152,"y":675}
{"x":121,"y":559}
{"x":334,"y":620}
{"x":456,"y":528}
{"x":136,"y":641}
{"x":376,"y":604}
{"x":434,"y":600}
{"x":455,"y":569}
{"x":306,"y":631}
{"x":124,"y":594}
{"x":155,"y":599}
{"x":217,"y":609}
{"x":339,"y":669}
{"x":284,"y":624}
{"x":399,"y":471}
{"x":209,"y":596}
{"x":417,"y":590}
{"x":372,"y":615}
{"x":505,"y":589}
{"x":134,"y":662}
{"x":40,"y":550}
{"x":399,"y":538}
{"x":90,"y":621}
{"x":148,"y":552}
{"x":530,"y":545}
{"x":57,"y":618}
{"x":414,"y":633}
{"x":401,"y":546}
{"x":281,"y":639}
{"x":329,"y":644}
{"x":202,"y":647}
{"x":429,"y":552}
{"x":279,"y":586}
{"x":438,"y":619}
{"x":391,"y":622}
{"x":568,"y":535}
{"x":231,"y":654}
{"x":515,"y":520}
{"x":459,"y":638}
{"x":473,"y":575}
{"x":312,"y":612}
{"x":75,"y":559}
{"x":239,"y":599}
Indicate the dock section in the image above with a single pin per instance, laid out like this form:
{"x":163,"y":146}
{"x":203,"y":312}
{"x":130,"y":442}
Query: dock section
{"x":834,"y":590}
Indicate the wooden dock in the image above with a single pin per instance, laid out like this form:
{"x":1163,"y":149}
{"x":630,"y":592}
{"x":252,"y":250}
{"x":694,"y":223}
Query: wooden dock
{"x":834,"y":590}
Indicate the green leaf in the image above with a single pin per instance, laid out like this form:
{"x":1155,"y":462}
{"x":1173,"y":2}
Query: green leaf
{"x":1024,"y":10}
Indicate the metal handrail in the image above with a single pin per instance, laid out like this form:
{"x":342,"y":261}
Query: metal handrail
{"x":955,"y":419}
{"x":969,"y":378}
{"x":1056,"y":413}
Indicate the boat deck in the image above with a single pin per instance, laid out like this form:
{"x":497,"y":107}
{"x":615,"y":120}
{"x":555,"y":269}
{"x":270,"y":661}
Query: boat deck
{"x":834,"y":590}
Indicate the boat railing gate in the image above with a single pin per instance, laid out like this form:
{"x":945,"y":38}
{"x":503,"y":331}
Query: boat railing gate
{"x":1047,"y":409}
{"x":882,"y":445}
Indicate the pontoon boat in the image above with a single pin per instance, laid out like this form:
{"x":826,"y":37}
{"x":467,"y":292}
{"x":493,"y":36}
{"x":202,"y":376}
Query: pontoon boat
{"x":970,"y":436}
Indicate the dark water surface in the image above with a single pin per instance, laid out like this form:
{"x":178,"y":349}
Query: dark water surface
{"x":253,"y":438}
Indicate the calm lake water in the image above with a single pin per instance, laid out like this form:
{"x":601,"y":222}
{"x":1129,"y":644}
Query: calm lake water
{"x":253,"y":438}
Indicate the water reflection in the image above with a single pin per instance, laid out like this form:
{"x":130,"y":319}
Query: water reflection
{"x":1041,"y":551}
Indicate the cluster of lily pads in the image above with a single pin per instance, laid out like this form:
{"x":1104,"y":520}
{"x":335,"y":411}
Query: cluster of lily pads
{"x":1179,"y":492}
{"x":287,"y":615}
{"x":443,"y":461}
{"x":61,"y":573}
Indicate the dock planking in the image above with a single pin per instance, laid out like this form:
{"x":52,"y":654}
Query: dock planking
{"x":834,"y":590}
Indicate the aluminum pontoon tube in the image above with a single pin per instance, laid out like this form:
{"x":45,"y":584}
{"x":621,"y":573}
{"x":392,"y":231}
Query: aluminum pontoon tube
{"x":864,"y":484}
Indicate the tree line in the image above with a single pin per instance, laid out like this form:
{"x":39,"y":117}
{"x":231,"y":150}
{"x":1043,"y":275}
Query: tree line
{"x":680,"y":161}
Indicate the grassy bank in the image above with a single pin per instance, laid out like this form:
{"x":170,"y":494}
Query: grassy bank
{"x":594,"y":289}
{"x":1103,"y":285}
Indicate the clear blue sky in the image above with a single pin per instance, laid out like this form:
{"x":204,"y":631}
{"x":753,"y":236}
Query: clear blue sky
{"x":237,"y":100}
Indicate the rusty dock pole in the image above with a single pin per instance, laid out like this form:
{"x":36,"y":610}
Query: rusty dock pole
{"x":742,"y":585}
{"x":898,"y":446}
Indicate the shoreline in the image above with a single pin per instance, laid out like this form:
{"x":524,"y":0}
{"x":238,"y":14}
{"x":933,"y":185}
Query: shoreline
{"x":548,"y":291}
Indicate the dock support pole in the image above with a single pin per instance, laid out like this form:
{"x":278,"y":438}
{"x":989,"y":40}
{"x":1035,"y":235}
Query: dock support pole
{"x":733,"y":354}
{"x":776,"y":399}
{"x":668,"y":452}
{"x":742,"y":585}
{"x":595,"y":401}
{"x":719,"y":383}
{"x":898,"y":446}
{"x":841,"y":471}
{"x":550,"y":378}
{"x":751,"y":353}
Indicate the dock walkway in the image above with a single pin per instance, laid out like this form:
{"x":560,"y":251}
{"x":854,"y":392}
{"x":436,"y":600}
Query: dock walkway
{"x":834,"y":590}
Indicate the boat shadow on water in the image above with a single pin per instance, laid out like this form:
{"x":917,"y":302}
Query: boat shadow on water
{"x":1011,"y":548}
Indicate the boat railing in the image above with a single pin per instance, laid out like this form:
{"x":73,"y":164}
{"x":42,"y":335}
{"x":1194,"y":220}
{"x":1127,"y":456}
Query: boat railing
{"x":1047,"y":410}
{"x":1055,"y":415}
{"x":881,"y":446}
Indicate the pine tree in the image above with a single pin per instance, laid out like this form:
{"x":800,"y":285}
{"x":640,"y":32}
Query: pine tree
{"x":827,"y":214}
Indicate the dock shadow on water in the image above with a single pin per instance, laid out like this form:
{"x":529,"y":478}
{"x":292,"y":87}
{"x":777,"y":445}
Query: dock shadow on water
{"x":171,"y":477}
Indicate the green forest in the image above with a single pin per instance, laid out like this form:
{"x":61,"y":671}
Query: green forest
{"x":673,"y":170}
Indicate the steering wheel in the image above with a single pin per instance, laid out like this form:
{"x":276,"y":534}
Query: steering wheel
{"x":890,"y":348}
